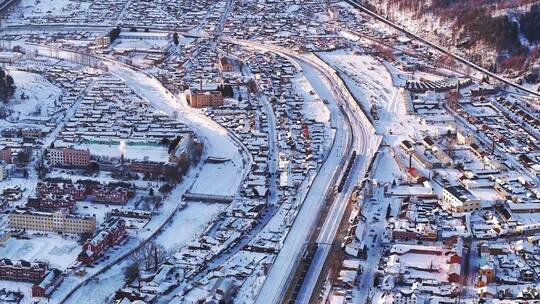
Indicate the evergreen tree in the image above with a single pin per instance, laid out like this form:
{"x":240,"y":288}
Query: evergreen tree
{"x":7,"y":86}
{"x":115,"y":33}
{"x":176,"y":40}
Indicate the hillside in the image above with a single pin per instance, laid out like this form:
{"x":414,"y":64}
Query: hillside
{"x":503,"y":35}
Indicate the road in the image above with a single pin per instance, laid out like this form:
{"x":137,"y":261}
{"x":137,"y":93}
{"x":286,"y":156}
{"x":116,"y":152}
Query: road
{"x":6,"y":4}
{"x":442,"y":49}
{"x":217,"y":139}
{"x":364,"y":142}
{"x":374,"y":253}
{"x":297,"y":237}
{"x":359,"y":135}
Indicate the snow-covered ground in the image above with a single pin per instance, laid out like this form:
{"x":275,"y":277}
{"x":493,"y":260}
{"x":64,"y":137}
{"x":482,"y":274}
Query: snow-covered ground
{"x":58,"y":251}
{"x":211,"y":180}
{"x":35,"y":97}
{"x":139,"y":153}
{"x":53,"y":8}
{"x":187,"y":224}
{"x":367,"y":78}
{"x":314,"y":107}
{"x":138,"y":44}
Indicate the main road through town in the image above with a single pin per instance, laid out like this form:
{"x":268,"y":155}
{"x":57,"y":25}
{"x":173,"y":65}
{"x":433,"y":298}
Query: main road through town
{"x":353,"y":133}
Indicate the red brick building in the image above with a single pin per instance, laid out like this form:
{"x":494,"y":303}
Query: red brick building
{"x":55,"y":194}
{"x":22,"y":270}
{"x":225,"y":65}
{"x":62,"y":187}
{"x":69,"y":157}
{"x":205,"y":98}
{"x":113,"y":230}
{"x":51,"y":202}
{"x":5,"y":154}
{"x":152,"y":168}
{"x":404,"y":235}
{"x":111,"y":195}
{"x":50,"y":282}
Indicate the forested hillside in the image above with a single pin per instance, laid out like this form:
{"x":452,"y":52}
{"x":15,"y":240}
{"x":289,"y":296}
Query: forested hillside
{"x":500,"y":34}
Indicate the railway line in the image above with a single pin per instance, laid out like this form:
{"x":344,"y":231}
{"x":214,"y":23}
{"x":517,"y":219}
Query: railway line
{"x":441,"y":49}
{"x":364,"y":145}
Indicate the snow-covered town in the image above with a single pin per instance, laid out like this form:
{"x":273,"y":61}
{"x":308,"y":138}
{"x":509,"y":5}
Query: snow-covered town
{"x":220,"y":151}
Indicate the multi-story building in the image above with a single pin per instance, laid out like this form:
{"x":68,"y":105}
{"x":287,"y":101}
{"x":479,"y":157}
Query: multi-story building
{"x":111,"y":232}
{"x":145,"y":35}
{"x":152,"y":168}
{"x":3,"y":170}
{"x":225,"y":65}
{"x":51,"y":202}
{"x":103,"y":41}
{"x":61,"y":187}
{"x":5,"y":154}
{"x":49,"y":283}
{"x":69,"y":157}
{"x":59,"y":221}
{"x":459,"y":199}
{"x":31,"y":132}
{"x":112,"y":194}
{"x":405,"y":297}
{"x":205,"y":98}
{"x":22,"y":270}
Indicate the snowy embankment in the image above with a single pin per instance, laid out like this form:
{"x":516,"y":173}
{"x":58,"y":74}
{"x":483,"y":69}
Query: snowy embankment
{"x":218,"y":143}
{"x":306,"y":218}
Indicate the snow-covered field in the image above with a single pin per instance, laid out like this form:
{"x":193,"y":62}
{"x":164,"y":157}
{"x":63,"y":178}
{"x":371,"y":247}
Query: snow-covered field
{"x":41,"y":98}
{"x":314,"y":107}
{"x":139,"y":45}
{"x":368,"y":79}
{"x":211,"y":180}
{"x":187,"y":223}
{"x":139,"y":153}
{"x":52,"y":8}
{"x":58,"y":251}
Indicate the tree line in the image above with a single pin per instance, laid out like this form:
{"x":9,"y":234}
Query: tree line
{"x":7,"y":86}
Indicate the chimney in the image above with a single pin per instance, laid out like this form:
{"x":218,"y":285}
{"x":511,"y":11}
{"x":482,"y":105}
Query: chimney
{"x":200,"y":85}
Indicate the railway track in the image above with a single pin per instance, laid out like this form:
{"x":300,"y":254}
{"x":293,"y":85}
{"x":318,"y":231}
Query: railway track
{"x":441,"y":49}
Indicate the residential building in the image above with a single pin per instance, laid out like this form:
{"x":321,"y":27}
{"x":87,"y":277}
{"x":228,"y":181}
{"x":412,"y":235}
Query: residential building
{"x":158,"y":36}
{"x":69,"y":157}
{"x":49,"y":283}
{"x":205,"y":98}
{"x":152,"y":168}
{"x":51,"y":202}
{"x":22,"y":270}
{"x":59,"y":221}
{"x":112,"y":231}
{"x":459,"y":199}
{"x":61,"y":187}
{"x":5,"y":154}
{"x":225,"y":65}
{"x":111,"y":195}
{"x":3,"y":170}
{"x":405,"y":297}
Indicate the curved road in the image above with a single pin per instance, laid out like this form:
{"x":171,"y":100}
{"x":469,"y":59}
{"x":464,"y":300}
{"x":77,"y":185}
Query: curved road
{"x":219,"y":141}
{"x":360,"y":136}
